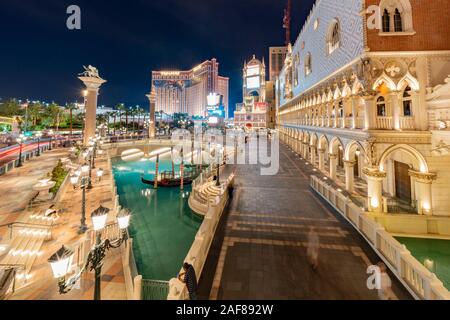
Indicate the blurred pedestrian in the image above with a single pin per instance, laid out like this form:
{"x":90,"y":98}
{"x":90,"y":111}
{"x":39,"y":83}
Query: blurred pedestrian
{"x":190,"y":279}
{"x":385,"y":290}
{"x":313,"y":248}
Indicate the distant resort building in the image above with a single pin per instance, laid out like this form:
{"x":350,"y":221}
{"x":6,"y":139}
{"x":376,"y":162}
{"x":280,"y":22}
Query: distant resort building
{"x":187,"y":91}
{"x":252,"y":113}
{"x":369,"y":106}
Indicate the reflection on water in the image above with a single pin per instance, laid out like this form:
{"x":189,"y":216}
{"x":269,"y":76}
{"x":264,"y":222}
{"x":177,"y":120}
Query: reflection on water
{"x":162,"y":226}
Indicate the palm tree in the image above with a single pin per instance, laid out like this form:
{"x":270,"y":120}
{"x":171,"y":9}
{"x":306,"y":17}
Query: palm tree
{"x":54,"y":113}
{"x":71,"y":107}
{"x":34,"y":111}
{"x":114,"y":115}
{"x":121,"y":109}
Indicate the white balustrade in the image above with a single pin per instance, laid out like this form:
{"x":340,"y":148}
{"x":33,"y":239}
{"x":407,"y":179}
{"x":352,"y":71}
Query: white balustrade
{"x":419,"y":280}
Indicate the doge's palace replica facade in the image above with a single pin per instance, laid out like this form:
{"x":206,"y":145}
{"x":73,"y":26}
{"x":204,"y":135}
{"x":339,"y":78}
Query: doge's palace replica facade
{"x":370,"y":107}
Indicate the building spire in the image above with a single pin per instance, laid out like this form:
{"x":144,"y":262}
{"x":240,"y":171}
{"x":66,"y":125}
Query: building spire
{"x":287,"y":22}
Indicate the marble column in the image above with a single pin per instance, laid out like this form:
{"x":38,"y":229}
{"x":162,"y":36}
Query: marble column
{"x":313,"y":154}
{"x":333,"y":165}
{"x":355,"y":101}
{"x":93,"y":85}
{"x":395,"y":110}
{"x":321,"y":159}
{"x":374,"y":189}
{"x":424,"y":196}
{"x":370,"y":113}
{"x":349,"y":176}
{"x":152,"y":125}
{"x":336,"y":114}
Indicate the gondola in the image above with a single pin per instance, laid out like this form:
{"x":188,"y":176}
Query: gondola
{"x":169,"y":183}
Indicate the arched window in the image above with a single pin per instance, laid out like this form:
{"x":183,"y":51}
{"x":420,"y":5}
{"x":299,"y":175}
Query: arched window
{"x":381,"y":107}
{"x":333,"y":36}
{"x":341,"y":109}
{"x":296,"y":64}
{"x":407,"y":102}
{"x":398,"y":21}
{"x":396,"y":16}
{"x":308,"y":64}
{"x":386,"y":21}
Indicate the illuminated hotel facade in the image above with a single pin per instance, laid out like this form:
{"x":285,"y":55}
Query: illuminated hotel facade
{"x":187,"y":91}
{"x":369,"y":107}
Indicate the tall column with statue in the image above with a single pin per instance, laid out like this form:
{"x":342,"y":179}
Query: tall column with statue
{"x":93,"y":82}
{"x":151,"y":128}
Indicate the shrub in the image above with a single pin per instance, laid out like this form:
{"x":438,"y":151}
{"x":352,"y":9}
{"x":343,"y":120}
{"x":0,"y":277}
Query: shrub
{"x":58,"y":175}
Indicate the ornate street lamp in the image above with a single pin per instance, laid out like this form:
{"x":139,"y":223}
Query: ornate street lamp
{"x":61,"y":261}
{"x":38,"y":136}
{"x":51,"y":133}
{"x":21,"y":139}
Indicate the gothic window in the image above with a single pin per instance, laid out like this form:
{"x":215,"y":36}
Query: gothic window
{"x":407,"y":102}
{"x":381,"y":107}
{"x":308,"y":64}
{"x":396,"y":16}
{"x":398,"y":21}
{"x":341,"y":109}
{"x":386,"y":21}
{"x":333,"y":36}
{"x":296,"y":64}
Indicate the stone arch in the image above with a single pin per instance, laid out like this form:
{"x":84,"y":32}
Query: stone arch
{"x":384,"y":78}
{"x":334,"y":145}
{"x":408,"y":80}
{"x":351,"y":148}
{"x":412,"y":152}
{"x":306,"y":137}
{"x":357,"y":87}
{"x":323,"y":142}
{"x":313,"y":140}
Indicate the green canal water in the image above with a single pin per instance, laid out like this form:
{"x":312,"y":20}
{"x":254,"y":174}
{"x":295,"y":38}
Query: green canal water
{"x":434,"y":250}
{"x":162,"y":225}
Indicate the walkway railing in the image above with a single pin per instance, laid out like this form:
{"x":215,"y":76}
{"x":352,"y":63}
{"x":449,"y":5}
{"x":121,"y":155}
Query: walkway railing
{"x":26,"y":156}
{"x":200,"y":247}
{"x":419,"y":281}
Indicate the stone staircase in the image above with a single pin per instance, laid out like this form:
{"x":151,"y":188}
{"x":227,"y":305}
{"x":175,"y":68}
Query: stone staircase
{"x":26,"y":239}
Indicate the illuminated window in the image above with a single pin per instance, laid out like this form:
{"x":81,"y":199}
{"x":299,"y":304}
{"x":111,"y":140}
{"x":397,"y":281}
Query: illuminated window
{"x":381,"y":107}
{"x":308,"y":64}
{"x":333,"y":36}
{"x":407,"y":102}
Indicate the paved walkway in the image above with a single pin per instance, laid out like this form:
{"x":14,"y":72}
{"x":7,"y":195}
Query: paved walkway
{"x":16,"y":186}
{"x":260,"y":249}
{"x":42,"y":285}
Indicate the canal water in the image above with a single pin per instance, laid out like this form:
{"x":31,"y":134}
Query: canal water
{"x":432,"y":253}
{"x":162,"y":225}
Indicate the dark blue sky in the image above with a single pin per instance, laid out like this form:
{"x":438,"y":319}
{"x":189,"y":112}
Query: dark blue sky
{"x":40,"y":58}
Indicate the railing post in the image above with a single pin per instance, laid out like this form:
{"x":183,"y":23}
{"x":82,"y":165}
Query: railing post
{"x":137,"y":288}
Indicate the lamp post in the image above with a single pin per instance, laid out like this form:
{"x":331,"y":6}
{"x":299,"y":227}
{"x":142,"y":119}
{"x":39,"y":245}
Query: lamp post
{"x":61,"y":261}
{"x":38,"y":136}
{"x":50,"y":133}
{"x":21,"y":139}
{"x":82,"y":179}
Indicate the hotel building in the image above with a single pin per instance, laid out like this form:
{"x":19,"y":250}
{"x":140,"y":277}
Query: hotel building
{"x":365,"y":98}
{"x":187,"y":91}
{"x":252,"y":113}
{"x":277,"y":55}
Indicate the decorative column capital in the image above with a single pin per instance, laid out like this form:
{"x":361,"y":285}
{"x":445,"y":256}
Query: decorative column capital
{"x":349,"y":163}
{"x":333,"y":156}
{"x":427,"y":177}
{"x":374,"y":173}
{"x":321,"y":150}
{"x":92,"y":83}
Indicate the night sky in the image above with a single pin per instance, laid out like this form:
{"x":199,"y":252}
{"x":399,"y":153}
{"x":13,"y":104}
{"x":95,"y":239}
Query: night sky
{"x":126,"y":40}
